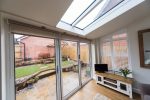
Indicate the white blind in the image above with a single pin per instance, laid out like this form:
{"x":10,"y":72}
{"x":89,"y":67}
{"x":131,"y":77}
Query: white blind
{"x":27,"y":29}
{"x":114,"y":50}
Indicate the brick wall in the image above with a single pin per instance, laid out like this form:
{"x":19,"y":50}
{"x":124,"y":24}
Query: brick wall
{"x":37,"y":45}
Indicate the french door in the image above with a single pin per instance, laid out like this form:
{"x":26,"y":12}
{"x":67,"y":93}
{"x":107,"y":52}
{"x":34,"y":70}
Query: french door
{"x":85,"y":64}
{"x":49,"y":69}
{"x":69,"y":67}
{"x":35,"y":68}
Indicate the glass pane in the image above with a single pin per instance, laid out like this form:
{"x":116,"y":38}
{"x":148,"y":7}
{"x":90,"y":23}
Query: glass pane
{"x":106,"y":54}
{"x":124,"y":35}
{"x":120,"y":50}
{"x":34,"y":68}
{"x":75,"y":10}
{"x":116,"y":36}
{"x":119,"y":36}
{"x":110,"y":5}
{"x":85,"y":63}
{"x":91,"y":16}
{"x":69,"y":66}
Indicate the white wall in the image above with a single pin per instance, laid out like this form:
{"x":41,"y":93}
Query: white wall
{"x":141,"y":75}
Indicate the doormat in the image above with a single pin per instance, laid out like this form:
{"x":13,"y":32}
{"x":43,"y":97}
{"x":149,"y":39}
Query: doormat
{"x":99,"y":96}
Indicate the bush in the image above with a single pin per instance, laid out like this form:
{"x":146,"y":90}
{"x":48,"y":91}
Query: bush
{"x":17,"y":64}
{"x":27,"y":59}
{"x":37,"y":61}
{"x":64,"y":58}
{"x":36,"y":78}
{"x":33,"y":80}
{"x":44,"y":55}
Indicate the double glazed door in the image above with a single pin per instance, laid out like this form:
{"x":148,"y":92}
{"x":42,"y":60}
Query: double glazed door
{"x":76,"y":67}
{"x":69,"y":67}
{"x":49,"y":69}
{"x":35,"y":68}
{"x":85,"y":62}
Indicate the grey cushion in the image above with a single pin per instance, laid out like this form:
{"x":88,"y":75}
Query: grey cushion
{"x":147,"y":97}
{"x":145,"y":91}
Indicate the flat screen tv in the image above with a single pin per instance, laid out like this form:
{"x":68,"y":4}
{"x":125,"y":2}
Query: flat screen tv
{"x":101,"y":67}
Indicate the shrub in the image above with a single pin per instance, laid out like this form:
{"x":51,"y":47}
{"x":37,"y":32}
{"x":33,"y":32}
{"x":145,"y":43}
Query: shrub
{"x":17,"y":64}
{"x":27,"y":59}
{"x":44,"y":55}
{"x":36,"y":78}
{"x":31,"y":81}
{"x":37,"y":61}
{"x":64,"y":58}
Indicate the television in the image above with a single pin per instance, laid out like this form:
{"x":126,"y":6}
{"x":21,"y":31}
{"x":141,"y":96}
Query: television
{"x":101,"y":67}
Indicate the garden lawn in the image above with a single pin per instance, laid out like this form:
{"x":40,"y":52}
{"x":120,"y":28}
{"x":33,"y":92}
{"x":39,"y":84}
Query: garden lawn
{"x":31,"y":69}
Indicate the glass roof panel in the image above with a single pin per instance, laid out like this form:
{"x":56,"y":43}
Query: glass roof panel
{"x":91,"y":16}
{"x":75,"y":10}
{"x":110,"y":5}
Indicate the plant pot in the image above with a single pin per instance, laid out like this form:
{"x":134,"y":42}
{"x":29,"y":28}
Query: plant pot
{"x":125,"y":75}
{"x":30,"y":86}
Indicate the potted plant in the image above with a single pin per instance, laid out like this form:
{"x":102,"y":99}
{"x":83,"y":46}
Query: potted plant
{"x":36,"y":79}
{"x":30,"y":83}
{"x":88,"y":71}
{"x":125,"y":71}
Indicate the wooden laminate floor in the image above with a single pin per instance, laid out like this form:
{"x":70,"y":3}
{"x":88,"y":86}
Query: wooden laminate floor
{"x":89,"y":91}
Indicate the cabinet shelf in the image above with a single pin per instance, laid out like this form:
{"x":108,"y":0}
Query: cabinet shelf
{"x":109,"y":84}
{"x":110,"y":80}
{"x":116,"y":82}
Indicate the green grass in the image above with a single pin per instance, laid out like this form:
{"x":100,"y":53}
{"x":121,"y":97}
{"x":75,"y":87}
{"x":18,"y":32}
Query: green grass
{"x":31,"y":69}
{"x":67,"y":63}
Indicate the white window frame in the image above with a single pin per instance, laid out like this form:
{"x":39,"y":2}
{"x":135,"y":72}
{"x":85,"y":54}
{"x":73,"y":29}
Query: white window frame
{"x":114,"y":13}
{"x":108,"y":38}
{"x":110,"y":51}
{"x":7,"y":51}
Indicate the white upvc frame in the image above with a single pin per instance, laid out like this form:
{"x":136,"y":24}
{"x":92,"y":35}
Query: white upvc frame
{"x":96,"y":3}
{"x":0,"y":61}
{"x":58,"y":70}
{"x":8,"y":68}
{"x":81,"y":84}
{"x":7,"y":51}
{"x":112,"y":14}
{"x":65,"y":97}
{"x":90,"y":63}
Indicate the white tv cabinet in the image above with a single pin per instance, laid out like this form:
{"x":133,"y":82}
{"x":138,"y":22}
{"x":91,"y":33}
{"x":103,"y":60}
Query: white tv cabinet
{"x":116,"y":82}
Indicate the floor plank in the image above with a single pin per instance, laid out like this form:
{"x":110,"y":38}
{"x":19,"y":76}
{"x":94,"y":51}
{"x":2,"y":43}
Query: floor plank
{"x":89,"y":91}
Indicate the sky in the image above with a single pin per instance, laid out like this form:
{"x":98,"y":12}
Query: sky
{"x":17,"y":36}
{"x":77,"y":8}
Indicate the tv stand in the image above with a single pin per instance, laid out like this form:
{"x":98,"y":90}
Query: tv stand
{"x":115,"y":82}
